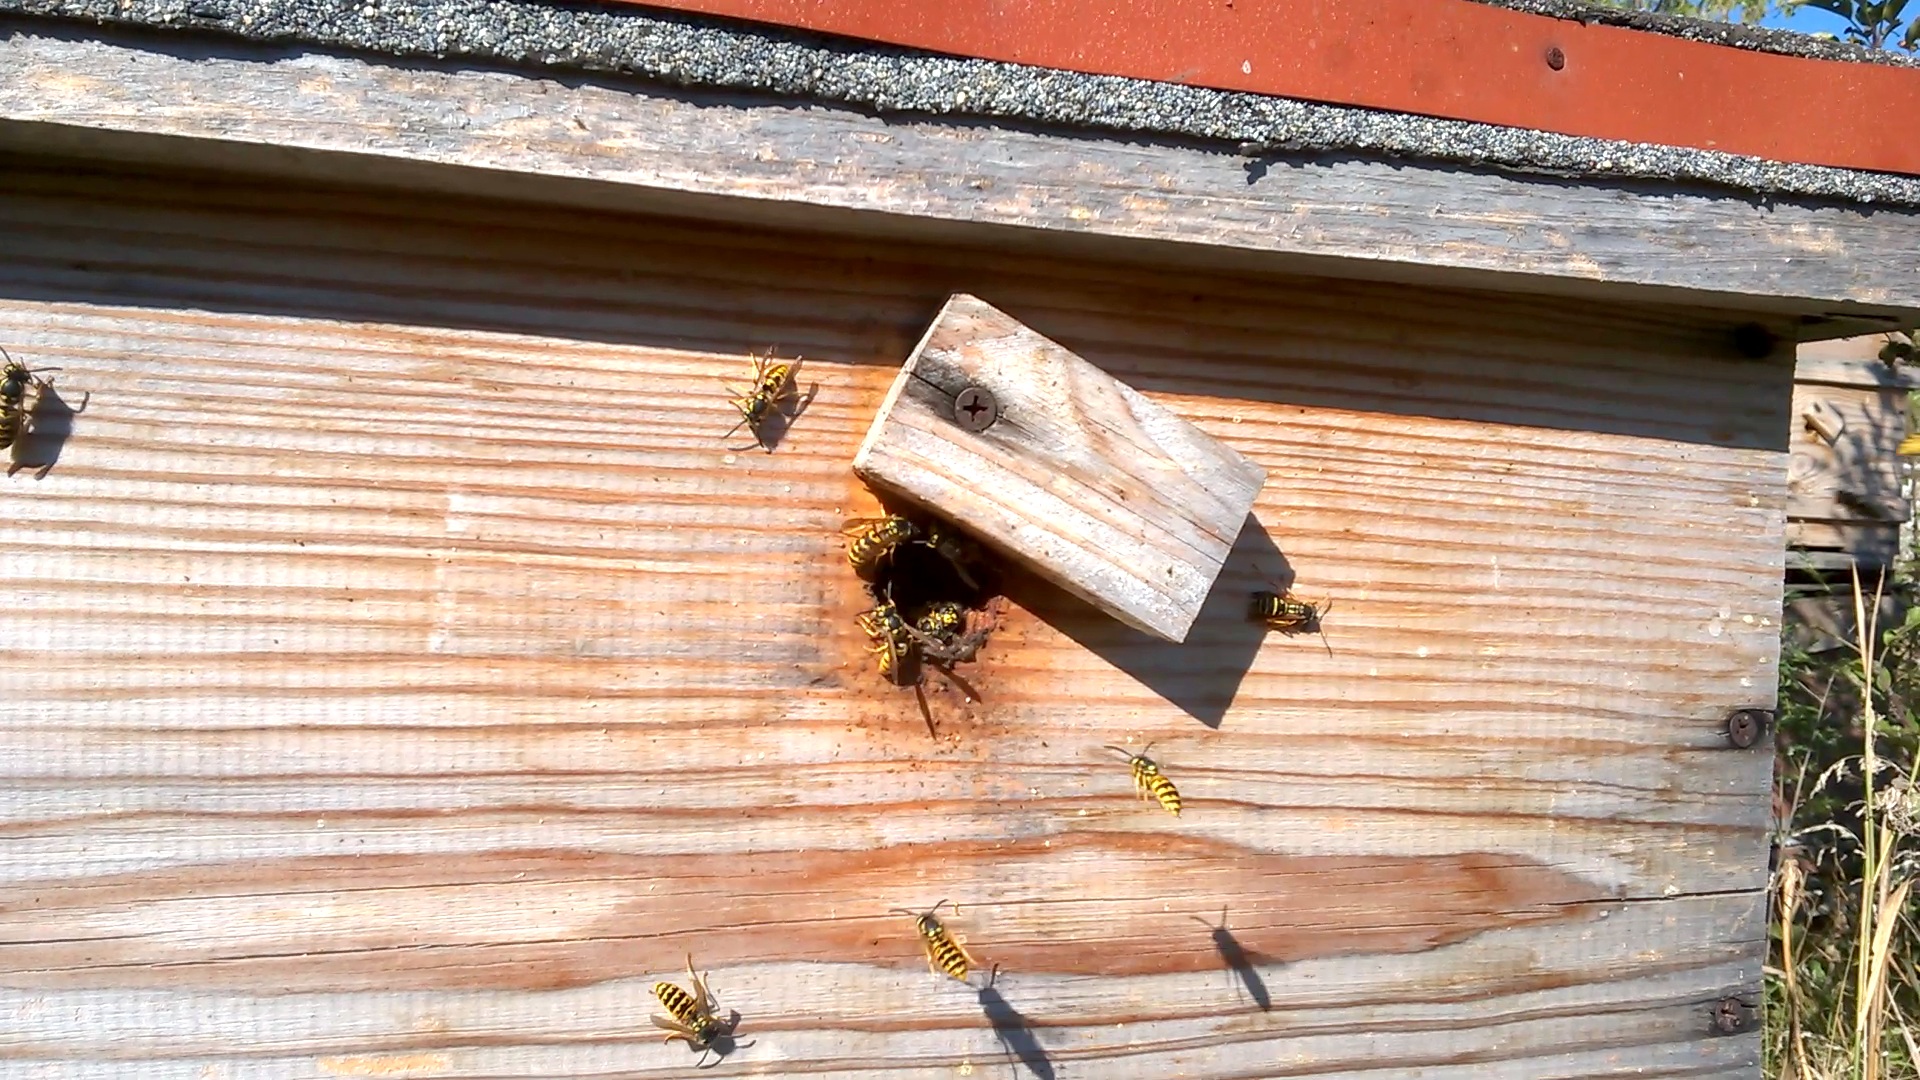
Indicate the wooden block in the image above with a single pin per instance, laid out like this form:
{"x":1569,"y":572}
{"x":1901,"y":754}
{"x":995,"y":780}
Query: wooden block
{"x":1080,"y":478}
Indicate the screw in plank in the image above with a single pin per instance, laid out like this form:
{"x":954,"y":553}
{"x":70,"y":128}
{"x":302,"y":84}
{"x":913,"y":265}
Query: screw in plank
{"x":1731,"y":1016}
{"x":1555,"y":58}
{"x":975,"y":409}
{"x":1745,"y":726}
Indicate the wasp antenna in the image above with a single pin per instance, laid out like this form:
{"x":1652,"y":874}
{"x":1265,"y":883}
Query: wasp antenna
{"x":903,"y":911}
{"x":1128,"y":754}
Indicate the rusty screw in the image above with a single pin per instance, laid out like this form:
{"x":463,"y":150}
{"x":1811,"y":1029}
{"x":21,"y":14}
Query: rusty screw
{"x":1745,"y":726}
{"x":1555,"y":58}
{"x":975,"y":409}
{"x":1731,"y":1016}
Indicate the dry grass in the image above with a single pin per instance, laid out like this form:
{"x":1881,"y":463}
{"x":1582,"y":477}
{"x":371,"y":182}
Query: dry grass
{"x":1842,"y":978}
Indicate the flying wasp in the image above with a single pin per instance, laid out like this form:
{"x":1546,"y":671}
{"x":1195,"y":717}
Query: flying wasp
{"x":694,"y":1016}
{"x":1153,"y":783}
{"x":944,"y":953}
{"x":874,"y":540}
{"x":893,"y":641}
{"x":773,"y":386}
{"x":15,"y":379}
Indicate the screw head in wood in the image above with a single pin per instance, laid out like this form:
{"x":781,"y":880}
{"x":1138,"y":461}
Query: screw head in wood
{"x":1556,"y":59}
{"x":1745,"y":726}
{"x":975,"y":409}
{"x":1731,"y":1016}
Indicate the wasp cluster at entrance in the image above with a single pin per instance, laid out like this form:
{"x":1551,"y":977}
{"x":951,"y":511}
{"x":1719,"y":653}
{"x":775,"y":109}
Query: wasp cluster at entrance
{"x":929,"y":588}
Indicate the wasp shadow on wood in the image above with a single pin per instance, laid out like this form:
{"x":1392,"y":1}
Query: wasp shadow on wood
{"x":1013,"y":1030}
{"x":1200,"y":675}
{"x":49,"y":426}
{"x":1239,"y":960}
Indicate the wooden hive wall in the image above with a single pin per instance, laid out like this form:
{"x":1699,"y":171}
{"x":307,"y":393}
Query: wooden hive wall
{"x":403,"y":673}
{"x":1845,"y":499}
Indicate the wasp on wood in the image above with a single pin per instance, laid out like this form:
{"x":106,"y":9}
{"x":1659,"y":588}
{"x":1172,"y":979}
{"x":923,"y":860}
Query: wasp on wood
{"x":1282,"y":611}
{"x":944,"y":952}
{"x":893,"y":642}
{"x":774,"y":386}
{"x":874,"y":541}
{"x":1153,"y":783}
{"x":941,"y":631}
{"x":694,"y":1016}
{"x":15,"y":380}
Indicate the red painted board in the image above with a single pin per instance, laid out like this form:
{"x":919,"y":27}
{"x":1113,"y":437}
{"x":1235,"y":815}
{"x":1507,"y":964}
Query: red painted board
{"x":1444,"y":58}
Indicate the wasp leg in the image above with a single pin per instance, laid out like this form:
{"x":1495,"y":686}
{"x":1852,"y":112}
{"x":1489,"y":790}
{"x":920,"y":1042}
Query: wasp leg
{"x":961,"y":944}
{"x":679,"y":1030}
{"x":701,"y":990}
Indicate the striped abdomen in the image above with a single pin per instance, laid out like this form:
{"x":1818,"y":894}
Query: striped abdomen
{"x":1280,"y":612}
{"x":942,"y":949}
{"x":682,"y":1007}
{"x":1154,"y":783}
{"x":943,"y":621}
{"x":884,"y":627}
{"x":877,"y":541}
{"x":13,"y":403}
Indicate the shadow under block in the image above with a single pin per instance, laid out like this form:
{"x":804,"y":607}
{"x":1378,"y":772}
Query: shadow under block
{"x":1080,"y":479}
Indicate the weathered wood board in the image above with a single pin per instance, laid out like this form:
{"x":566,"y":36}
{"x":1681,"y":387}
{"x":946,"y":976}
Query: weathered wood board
{"x":1076,"y":477}
{"x":1845,"y":498}
{"x":403,"y":673}
{"x":630,"y":146}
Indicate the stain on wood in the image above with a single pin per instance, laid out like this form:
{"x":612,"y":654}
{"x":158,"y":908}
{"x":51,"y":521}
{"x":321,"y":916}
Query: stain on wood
{"x":1085,"y":907}
{"x":401,"y":667}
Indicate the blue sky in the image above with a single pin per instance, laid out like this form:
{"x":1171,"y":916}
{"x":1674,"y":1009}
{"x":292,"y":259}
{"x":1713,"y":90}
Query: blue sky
{"x":1808,"y":20}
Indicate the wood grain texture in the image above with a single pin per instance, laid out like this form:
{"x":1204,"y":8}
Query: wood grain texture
{"x":634,"y":147}
{"x":1847,"y":501}
{"x":404,"y":672}
{"x":1080,"y":481}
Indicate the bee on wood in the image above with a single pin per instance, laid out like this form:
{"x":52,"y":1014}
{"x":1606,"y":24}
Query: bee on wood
{"x":15,"y":381}
{"x":1153,"y":783}
{"x":693,"y":1016}
{"x":874,"y":540}
{"x":893,"y":641}
{"x":944,"y":952}
{"x":773,"y":386}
